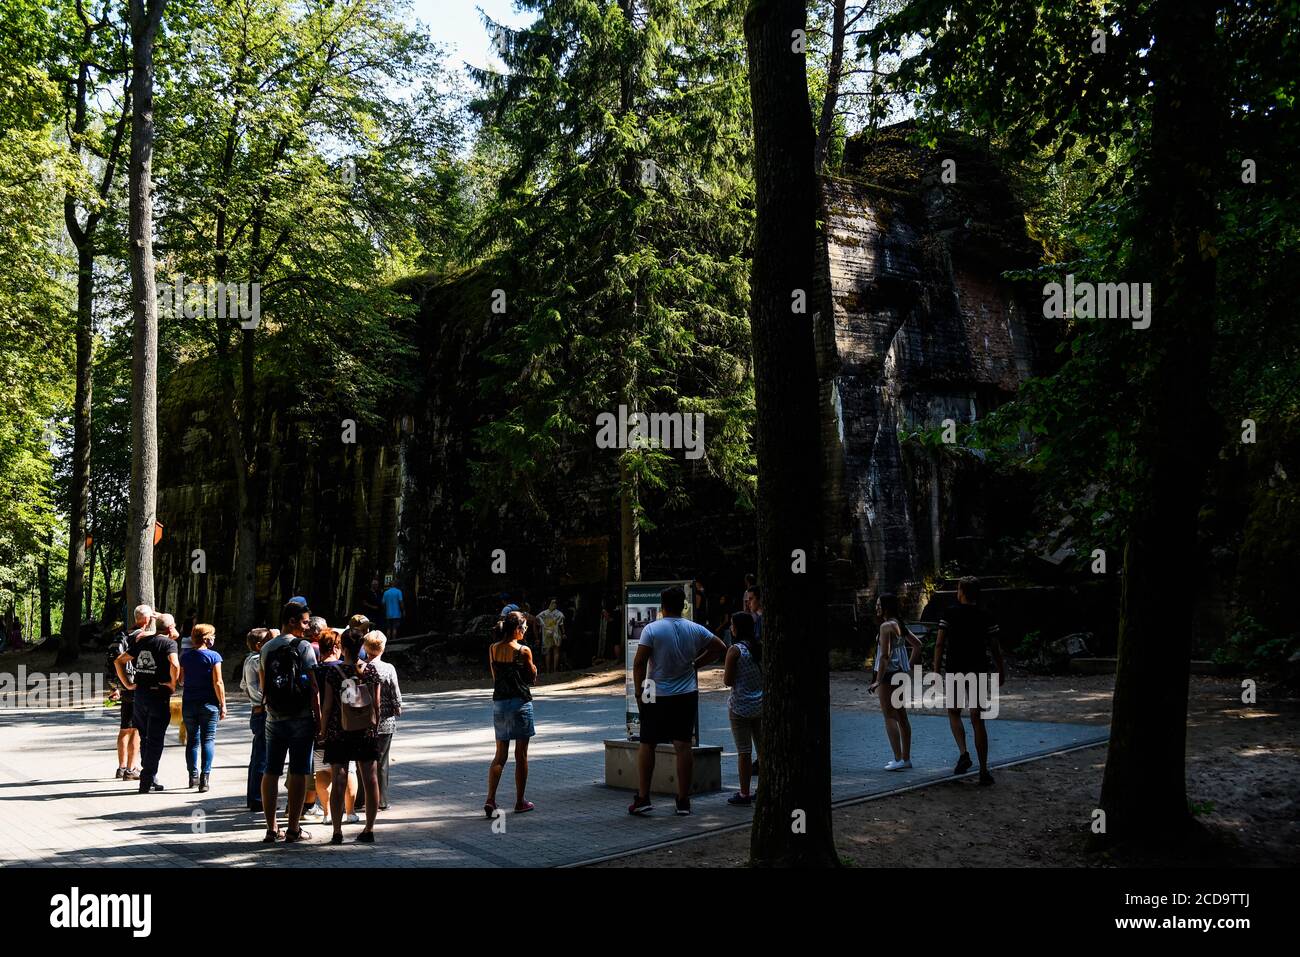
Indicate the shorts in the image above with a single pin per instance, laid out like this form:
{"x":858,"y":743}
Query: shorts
{"x":128,"y":710}
{"x":353,"y":746}
{"x":670,"y":718}
{"x":551,"y":641}
{"x":294,"y":737}
{"x":746,"y":731}
{"x":966,"y":683}
{"x":513,"y":719}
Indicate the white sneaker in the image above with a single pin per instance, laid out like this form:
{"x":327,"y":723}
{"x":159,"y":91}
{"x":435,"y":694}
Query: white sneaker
{"x":351,"y":819}
{"x":314,"y":812}
{"x":898,"y":765}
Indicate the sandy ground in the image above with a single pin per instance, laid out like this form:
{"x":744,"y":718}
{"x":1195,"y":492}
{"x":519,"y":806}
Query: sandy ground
{"x":1243,"y":778}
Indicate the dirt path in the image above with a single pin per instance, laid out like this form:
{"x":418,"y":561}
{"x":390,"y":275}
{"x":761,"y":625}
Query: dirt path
{"x":1243,"y":776}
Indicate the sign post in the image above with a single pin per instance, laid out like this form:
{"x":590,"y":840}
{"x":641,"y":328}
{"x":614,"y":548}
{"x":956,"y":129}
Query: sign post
{"x":640,"y":607}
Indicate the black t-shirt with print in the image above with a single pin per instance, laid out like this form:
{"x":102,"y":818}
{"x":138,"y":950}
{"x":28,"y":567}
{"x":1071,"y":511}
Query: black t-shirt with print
{"x":152,"y":667}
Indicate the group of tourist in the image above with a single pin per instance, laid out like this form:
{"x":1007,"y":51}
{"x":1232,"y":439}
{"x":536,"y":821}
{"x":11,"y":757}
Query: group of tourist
{"x":967,"y":636}
{"x":321,"y":700}
{"x":669,"y":653}
{"x":324,"y":701}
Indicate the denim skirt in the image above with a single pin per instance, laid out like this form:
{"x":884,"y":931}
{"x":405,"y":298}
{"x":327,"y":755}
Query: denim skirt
{"x":513,"y":719}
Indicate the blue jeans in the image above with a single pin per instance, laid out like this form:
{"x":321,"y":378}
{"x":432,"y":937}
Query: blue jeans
{"x":153,"y":712}
{"x":257,"y":760}
{"x":201,"y":727}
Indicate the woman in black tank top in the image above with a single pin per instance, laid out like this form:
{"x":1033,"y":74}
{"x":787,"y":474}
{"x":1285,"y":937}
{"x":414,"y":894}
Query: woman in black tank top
{"x":513,"y":673}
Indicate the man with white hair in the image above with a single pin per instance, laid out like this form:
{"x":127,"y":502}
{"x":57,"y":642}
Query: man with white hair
{"x":155,"y":669}
{"x":128,"y":736}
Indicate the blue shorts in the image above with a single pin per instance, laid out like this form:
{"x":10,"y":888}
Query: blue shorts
{"x":294,"y":737}
{"x":513,"y":719}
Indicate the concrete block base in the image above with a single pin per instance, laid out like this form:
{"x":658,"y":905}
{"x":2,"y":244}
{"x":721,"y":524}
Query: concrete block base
{"x":620,"y":767}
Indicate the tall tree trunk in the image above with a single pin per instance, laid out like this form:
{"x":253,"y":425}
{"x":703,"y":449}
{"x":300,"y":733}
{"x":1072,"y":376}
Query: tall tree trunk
{"x":90,"y":583}
{"x":79,"y":492}
{"x":1144,"y":789}
{"x":83,"y":238}
{"x":629,"y":490}
{"x":107,"y":569}
{"x":792,"y":819}
{"x":43,"y":586}
{"x":830,"y":99}
{"x":630,"y":538}
{"x":936,"y":529}
{"x":145,"y":18}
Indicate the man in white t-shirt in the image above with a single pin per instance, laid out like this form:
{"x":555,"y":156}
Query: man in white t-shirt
{"x":670,"y":649}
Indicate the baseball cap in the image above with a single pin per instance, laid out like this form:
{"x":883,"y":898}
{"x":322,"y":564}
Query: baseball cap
{"x":508,"y":609}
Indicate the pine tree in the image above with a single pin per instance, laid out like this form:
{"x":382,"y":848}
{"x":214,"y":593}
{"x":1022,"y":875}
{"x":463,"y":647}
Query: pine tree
{"x":622,"y":216}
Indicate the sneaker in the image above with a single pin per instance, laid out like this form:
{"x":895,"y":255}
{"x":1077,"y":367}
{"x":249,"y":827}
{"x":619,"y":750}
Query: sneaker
{"x":741,"y":800}
{"x":146,"y":788}
{"x":351,"y":819}
{"x":639,"y":806}
{"x":963,"y":764}
{"x":985,"y":779}
{"x":121,"y":774}
{"x":315,"y":812}
{"x":898,"y":765}
{"x":683,"y":807}
{"x":131,"y":774}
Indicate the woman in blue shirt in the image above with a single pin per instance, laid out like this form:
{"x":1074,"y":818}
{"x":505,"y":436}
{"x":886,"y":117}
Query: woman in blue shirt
{"x":203,"y":702}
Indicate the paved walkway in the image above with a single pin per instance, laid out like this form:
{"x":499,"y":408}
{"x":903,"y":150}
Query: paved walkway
{"x":60,"y":806}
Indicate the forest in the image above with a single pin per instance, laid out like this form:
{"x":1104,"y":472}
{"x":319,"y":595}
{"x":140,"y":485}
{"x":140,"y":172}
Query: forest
{"x":292,"y":296}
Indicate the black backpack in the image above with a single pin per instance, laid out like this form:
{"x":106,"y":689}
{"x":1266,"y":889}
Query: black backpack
{"x":286,"y":687}
{"x":116,"y":648}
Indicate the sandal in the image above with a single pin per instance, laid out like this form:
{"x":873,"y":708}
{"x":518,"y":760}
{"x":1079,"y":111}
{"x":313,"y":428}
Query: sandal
{"x":272,"y":836}
{"x":295,"y":837}
{"x":366,"y":837}
{"x":337,"y":838}
{"x":489,"y":808}
{"x":526,"y":806}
